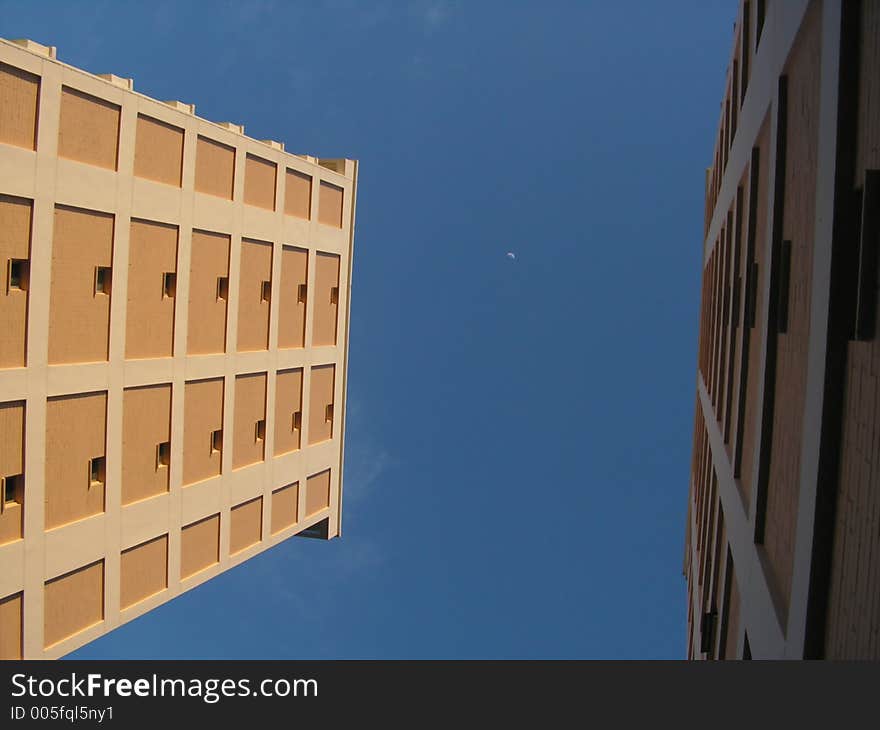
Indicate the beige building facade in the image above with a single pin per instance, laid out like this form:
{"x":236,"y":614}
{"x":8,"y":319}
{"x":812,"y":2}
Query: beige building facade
{"x":173,"y":349}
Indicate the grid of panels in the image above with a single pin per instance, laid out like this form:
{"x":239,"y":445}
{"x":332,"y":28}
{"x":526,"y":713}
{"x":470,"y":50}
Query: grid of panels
{"x":108,"y":373}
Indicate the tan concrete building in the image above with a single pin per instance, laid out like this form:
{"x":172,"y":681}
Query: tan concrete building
{"x":783,"y":535}
{"x":173,"y":349}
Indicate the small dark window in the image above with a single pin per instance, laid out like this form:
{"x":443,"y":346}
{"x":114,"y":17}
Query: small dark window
{"x":97,"y":470}
{"x":102,"y":279}
{"x":169,"y":284}
{"x":260,"y":430}
{"x":334,"y":295}
{"x":328,"y":412}
{"x":18,"y":275}
{"x":301,"y":293}
{"x":297,"y":421}
{"x":12,"y":489}
{"x":163,"y":454}
{"x":760,"y":12}
{"x":217,"y":441}
{"x":707,"y":632}
{"x":266,"y":291}
{"x":867,"y":256}
{"x":222,"y":288}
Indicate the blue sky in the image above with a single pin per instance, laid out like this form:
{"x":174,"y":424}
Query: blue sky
{"x":519,"y":431}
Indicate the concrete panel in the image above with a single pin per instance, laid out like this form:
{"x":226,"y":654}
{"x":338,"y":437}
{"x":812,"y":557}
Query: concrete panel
{"x":325,"y":316}
{"x":143,"y":571}
{"x":330,"y":205}
{"x":73,"y":602}
{"x":199,"y":546}
{"x":202,"y":419}
{"x":254,"y":295}
{"x":10,"y":627}
{"x":158,"y":151}
{"x":321,"y":416}
{"x":298,"y":194}
{"x":284,"y":507}
{"x":288,"y":410}
{"x":317,"y":492}
{"x":19,"y":93}
{"x":208,"y":293}
{"x":76,"y":429}
{"x":79,"y":305}
{"x":12,"y":432}
{"x":247,"y":525}
{"x":152,"y":290}
{"x":15,"y":248}
{"x":215,"y":165}
{"x":89,"y":129}
{"x":293,"y":297}
{"x":146,"y":442}
{"x":259,"y":182}
{"x":249,"y":429}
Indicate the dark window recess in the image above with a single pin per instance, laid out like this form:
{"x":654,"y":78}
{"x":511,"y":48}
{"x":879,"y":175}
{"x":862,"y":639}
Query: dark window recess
{"x":746,"y":50}
{"x":222,"y":288}
{"x":217,"y":441}
{"x":752,"y":295}
{"x":17,"y":275}
{"x":97,"y":470}
{"x":328,"y":412}
{"x":266,"y":291}
{"x":103,"y":279}
{"x":297,"y":421}
{"x":301,"y":291}
{"x":12,"y":489}
{"x":707,"y":631}
{"x":784,"y":286}
{"x":334,"y":295}
{"x":163,"y":454}
{"x":760,"y":12}
{"x":260,"y":430}
{"x":320,"y":530}
{"x":169,"y":284}
{"x":869,"y":239}
{"x":734,"y":99}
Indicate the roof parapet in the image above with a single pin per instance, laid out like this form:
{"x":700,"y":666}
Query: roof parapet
{"x":119,"y":81}
{"x":232,"y":127}
{"x":182,"y":106}
{"x":34,"y":47}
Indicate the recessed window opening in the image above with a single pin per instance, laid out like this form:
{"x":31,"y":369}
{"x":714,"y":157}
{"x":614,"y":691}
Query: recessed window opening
{"x":17,"y":275}
{"x":217,"y":441}
{"x":103,"y":280}
{"x":97,"y":470}
{"x":169,"y":285}
{"x":163,"y":454}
